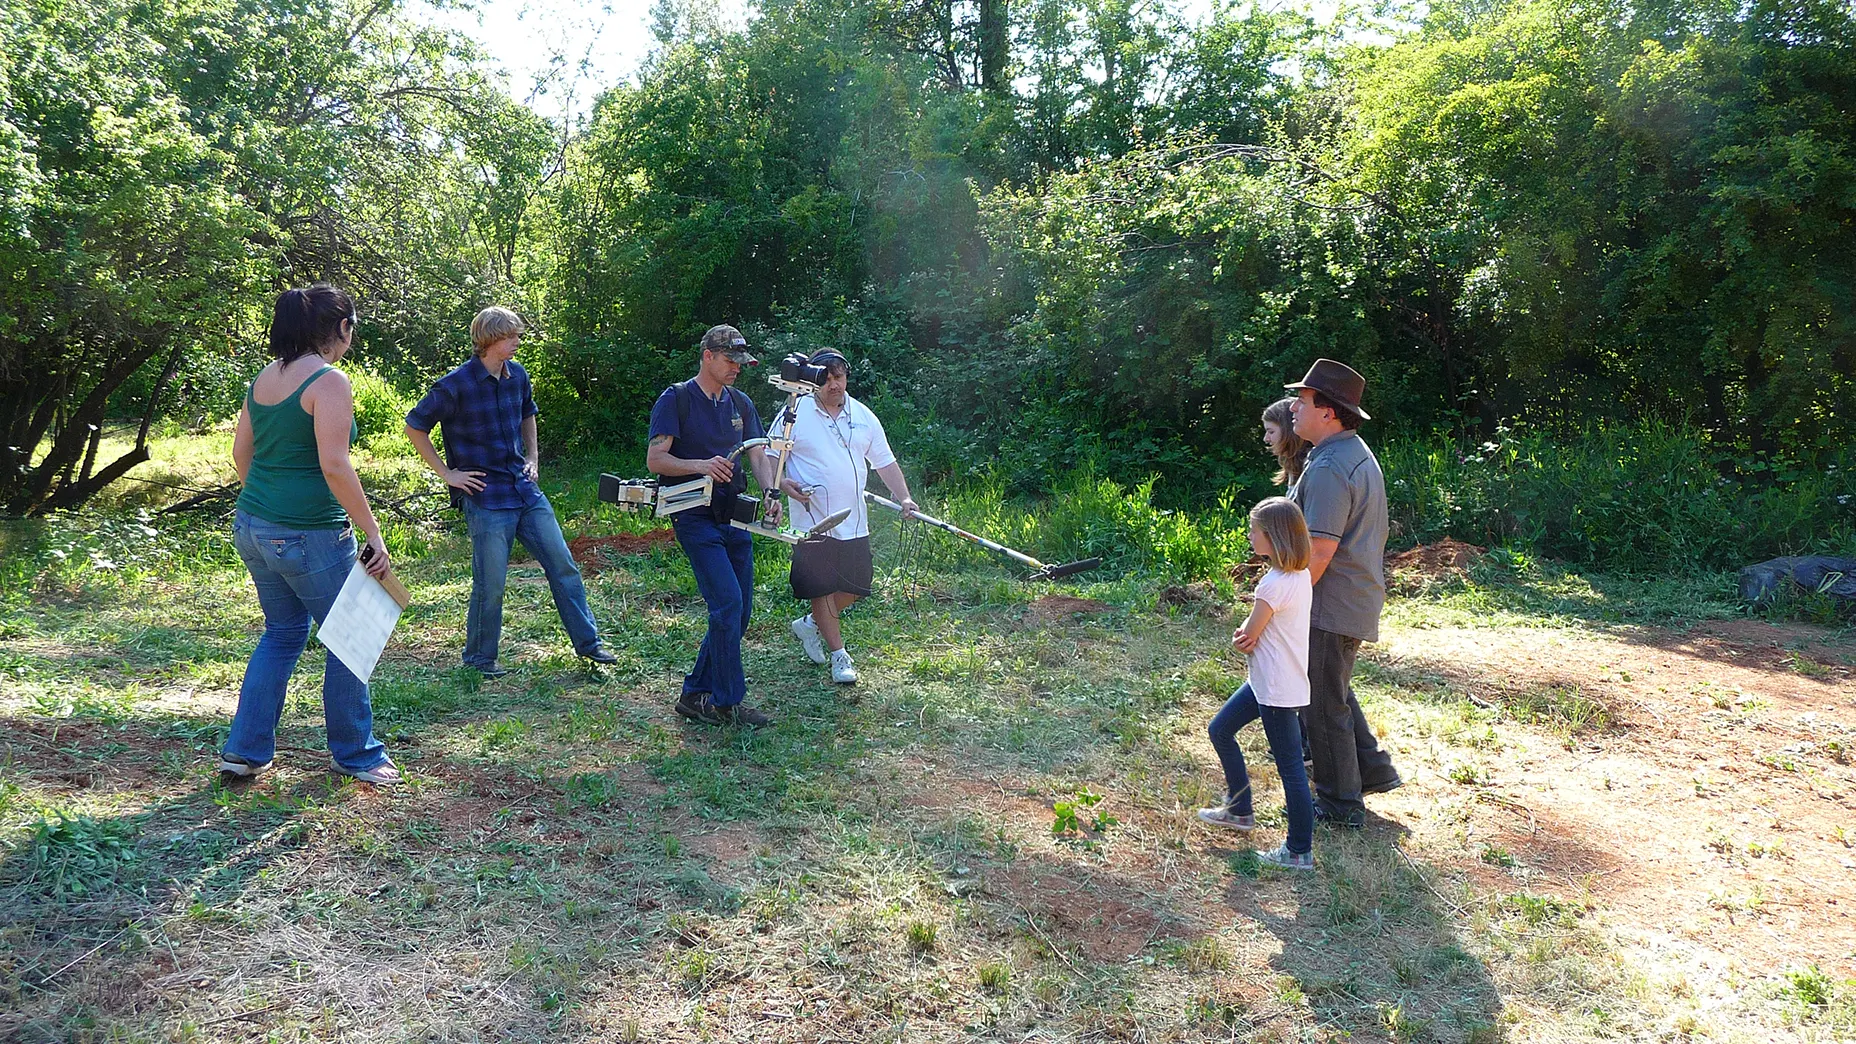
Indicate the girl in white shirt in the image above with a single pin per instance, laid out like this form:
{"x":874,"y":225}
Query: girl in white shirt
{"x":1275,"y":637}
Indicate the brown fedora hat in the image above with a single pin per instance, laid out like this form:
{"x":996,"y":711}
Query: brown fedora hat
{"x":1337,"y":381}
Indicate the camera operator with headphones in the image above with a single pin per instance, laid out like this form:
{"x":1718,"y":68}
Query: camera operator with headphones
{"x":836,"y":440}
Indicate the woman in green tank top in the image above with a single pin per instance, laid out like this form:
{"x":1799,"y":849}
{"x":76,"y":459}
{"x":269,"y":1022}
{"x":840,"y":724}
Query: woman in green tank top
{"x":295,"y":531}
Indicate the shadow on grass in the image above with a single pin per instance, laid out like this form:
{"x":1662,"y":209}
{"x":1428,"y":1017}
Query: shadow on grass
{"x":1369,"y":945}
{"x":82,"y":886}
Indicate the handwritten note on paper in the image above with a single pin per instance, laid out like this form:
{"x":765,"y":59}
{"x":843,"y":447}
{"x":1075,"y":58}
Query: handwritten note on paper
{"x":360,"y":622}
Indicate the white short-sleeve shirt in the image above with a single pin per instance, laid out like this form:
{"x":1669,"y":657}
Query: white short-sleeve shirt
{"x":835,"y":455}
{"x":1279,"y":664}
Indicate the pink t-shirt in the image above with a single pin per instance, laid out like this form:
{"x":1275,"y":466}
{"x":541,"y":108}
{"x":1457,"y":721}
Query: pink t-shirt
{"x":1279,"y":664}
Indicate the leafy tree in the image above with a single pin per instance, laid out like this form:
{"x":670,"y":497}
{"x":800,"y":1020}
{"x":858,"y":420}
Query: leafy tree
{"x":167,"y":165}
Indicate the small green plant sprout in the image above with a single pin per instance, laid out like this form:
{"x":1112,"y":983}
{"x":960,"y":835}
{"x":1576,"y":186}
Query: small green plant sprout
{"x":1400,"y":1025}
{"x":1810,"y":987}
{"x":921,"y":936}
{"x":995,"y":977}
{"x":1078,"y":813}
{"x":1468,"y":774}
{"x":1772,"y":850}
{"x":1496,"y":855}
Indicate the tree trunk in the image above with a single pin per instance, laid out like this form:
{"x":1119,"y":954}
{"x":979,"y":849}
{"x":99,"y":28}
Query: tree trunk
{"x":995,"y":45}
{"x":31,"y":491}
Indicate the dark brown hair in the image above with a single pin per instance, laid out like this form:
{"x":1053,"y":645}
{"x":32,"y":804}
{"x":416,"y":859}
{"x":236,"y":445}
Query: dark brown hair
{"x":1348,"y":419}
{"x":308,"y":318}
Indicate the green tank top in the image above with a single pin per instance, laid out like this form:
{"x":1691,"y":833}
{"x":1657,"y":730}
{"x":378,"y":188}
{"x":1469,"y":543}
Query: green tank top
{"x":284,"y":485}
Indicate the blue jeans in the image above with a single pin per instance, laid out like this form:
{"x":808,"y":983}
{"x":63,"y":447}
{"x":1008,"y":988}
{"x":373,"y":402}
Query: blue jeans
{"x":722,"y":558}
{"x":492,"y":532}
{"x":298,"y":573}
{"x":1283,"y":727}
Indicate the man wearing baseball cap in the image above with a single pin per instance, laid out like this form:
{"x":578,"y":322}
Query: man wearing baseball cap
{"x":1342,"y":494}
{"x":695,"y":426}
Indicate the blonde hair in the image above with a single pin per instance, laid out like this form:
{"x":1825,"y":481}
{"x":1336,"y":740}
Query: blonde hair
{"x":1283,"y":526}
{"x":492,"y":325}
{"x":1292,"y":454}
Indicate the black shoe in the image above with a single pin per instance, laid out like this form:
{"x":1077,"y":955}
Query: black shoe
{"x":494,"y":670}
{"x":601,"y":654}
{"x":1348,"y":821}
{"x":1383,"y":788}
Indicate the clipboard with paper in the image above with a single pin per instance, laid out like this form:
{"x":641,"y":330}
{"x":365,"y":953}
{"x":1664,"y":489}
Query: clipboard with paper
{"x":361,"y":621}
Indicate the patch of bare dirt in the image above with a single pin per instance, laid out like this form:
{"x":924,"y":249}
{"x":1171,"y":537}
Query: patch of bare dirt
{"x":729,"y":849}
{"x":1063,"y":607}
{"x":1714,"y":812}
{"x":72,"y":754}
{"x":1107,"y":920}
{"x":597,"y":552}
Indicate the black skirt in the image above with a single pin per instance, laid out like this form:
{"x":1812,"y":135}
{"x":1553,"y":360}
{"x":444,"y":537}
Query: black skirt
{"x":825,"y":566}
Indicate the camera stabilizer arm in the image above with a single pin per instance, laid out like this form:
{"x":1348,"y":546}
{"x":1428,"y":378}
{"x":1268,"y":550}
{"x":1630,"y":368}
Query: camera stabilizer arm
{"x":652,"y":496}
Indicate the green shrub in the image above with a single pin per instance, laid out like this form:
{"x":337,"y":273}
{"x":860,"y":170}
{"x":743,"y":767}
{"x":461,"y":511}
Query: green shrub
{"x":379,"y":407}
{"x":1647,"y":498}
{"x":1088,"y":516}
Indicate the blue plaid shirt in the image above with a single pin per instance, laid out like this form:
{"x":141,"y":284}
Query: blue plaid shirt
{"x":483,"y":418}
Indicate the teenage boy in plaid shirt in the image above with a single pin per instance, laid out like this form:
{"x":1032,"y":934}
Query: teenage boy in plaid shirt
{"x":492,"y":455}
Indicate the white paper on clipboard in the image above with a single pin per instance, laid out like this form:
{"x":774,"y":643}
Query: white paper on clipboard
{"x":360,"y":622}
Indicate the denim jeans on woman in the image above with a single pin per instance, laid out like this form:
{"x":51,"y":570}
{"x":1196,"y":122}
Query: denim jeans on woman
{"x":492,"y":532}
{"x":298,"y":573}
{"x":722,"y":557}
{"x":1282,"y":727}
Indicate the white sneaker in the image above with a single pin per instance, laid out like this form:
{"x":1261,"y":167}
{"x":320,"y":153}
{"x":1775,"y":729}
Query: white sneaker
{"x":841,"y":670}
{"x":807,"y":633}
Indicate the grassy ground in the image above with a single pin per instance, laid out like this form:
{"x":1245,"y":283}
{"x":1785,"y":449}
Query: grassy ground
{"x":569,"y":860}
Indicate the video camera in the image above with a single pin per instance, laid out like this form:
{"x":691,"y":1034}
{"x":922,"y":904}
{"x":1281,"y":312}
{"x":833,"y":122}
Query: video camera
{"x":799,"y":369}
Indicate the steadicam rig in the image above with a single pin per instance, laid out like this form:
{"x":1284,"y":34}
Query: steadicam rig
{"x":797,"y":377}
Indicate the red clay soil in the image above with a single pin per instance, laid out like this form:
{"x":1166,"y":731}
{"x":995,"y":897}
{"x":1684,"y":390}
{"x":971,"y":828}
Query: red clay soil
{"x":595,"y":552}
{"x":1056,"y":606}
{"x":1713,"y":813}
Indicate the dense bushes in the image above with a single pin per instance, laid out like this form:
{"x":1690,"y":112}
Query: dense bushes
{"x":1642,"y":499}
{"x":1615,"y":500}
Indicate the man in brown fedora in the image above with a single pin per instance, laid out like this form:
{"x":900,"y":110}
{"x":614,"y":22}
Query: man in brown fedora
{"x":1342,"y":493}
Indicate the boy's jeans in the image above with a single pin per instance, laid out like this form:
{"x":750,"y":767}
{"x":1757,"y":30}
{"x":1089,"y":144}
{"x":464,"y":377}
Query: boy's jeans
{"x":298,"y":573}
{"x":1283,"y":727}
{"x":722,"y":558}
{"x":492,"y":532}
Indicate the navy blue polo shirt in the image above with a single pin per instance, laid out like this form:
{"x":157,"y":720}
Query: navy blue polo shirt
{"x":482,"y":415}
{"x":704,"y":428}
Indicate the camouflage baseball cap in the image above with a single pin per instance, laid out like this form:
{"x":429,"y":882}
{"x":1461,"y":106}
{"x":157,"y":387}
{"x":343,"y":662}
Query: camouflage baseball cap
{"x":728,"y":340}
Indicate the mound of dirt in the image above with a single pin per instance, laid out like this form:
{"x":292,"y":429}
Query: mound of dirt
{"x":1195,"y":598}
{"x":595,"y":552}
{"x":1428,"y":564}
{"x":1246,"y":574}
